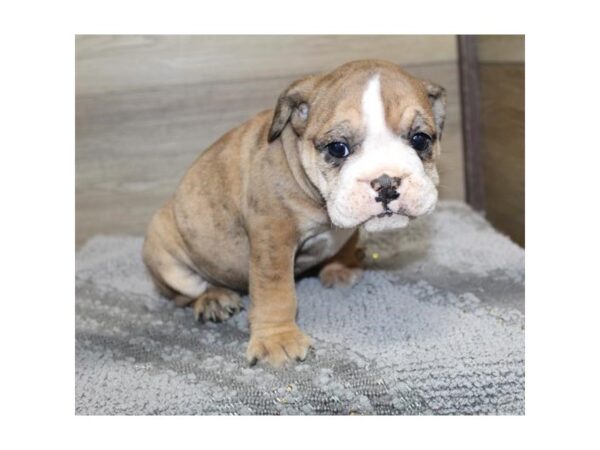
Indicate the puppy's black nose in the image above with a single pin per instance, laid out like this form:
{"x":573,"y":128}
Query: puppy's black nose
{"x":385,"y":182}
{"x":386,"y":188}
{"x":386,"y":195}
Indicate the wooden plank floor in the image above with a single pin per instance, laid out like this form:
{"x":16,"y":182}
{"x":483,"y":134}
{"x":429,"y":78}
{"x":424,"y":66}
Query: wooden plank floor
{"x":147,"y":106}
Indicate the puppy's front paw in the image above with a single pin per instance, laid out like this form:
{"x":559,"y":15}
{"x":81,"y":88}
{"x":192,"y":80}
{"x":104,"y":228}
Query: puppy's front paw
{"x":335,"y":274}
{"x":277,"y":345}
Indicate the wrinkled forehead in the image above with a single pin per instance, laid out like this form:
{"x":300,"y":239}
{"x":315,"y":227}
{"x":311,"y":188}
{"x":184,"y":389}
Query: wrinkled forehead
{"x":345,"y":101}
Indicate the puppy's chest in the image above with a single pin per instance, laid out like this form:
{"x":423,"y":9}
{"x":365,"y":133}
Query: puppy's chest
{"x":316,"y":248}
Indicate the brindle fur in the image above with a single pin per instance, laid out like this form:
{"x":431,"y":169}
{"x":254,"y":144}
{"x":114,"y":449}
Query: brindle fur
{"x":246,"y":207}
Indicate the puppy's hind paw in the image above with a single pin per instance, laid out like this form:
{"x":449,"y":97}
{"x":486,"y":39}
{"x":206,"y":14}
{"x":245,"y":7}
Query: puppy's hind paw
{"x":337,"y":275}
{"x":217,"y":305}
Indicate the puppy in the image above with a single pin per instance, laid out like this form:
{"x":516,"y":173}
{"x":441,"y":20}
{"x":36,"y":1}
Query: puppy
{"x":288,"y":190}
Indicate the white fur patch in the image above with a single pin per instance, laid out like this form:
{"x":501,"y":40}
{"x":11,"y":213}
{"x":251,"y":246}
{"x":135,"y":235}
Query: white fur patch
{"x":189,"y":283}
{"x":386,"y":223}
{"x":353,"y":199}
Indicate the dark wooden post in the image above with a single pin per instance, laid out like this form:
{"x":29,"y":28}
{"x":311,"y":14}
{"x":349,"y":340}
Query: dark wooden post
{"x":471,"y":121}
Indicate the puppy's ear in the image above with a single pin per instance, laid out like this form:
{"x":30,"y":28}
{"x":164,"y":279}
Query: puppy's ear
{"x":293,"y":106}
{"x":437,"y":100}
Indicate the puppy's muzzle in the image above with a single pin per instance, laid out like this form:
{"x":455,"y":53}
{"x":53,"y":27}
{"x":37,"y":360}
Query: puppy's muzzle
{"x":387,"y":191}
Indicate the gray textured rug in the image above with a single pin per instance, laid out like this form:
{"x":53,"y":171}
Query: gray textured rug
{"x":435,"y":327}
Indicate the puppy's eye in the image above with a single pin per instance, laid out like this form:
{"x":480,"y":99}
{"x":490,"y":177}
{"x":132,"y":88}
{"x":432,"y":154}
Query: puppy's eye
{"x":338,"y":149}
{"x":420,"y":142}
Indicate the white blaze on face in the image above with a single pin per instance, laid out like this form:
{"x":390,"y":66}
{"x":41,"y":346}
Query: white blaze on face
{"x":352,"y":201}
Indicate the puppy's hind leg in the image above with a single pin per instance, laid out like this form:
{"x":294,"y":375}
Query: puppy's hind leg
{"x":176,"y":279}
{"x":186,"y":287}
{"x":172,"y":278}
{"x":179,"y":283}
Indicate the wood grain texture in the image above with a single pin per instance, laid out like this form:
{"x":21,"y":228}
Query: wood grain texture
{"x":502,"y":78}
{"x":121,"y":63}
{"x":501,"y":48}
{"x":147,"y":106}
